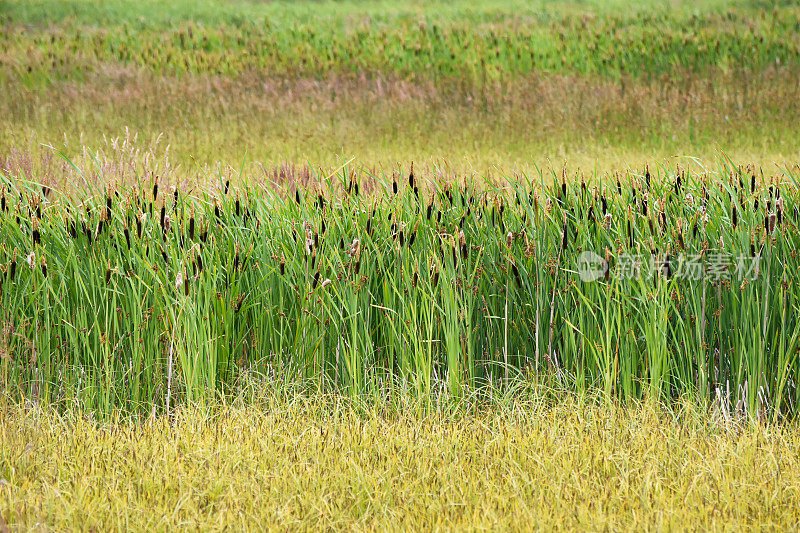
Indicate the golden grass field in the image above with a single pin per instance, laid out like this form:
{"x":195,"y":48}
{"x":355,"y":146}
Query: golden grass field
{"x":321,"y":463}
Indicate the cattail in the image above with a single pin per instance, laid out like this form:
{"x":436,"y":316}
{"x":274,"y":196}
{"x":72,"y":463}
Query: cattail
{"x":564,"y":238}
{"x":517,"y":279}
{"x":3,"y":204}
{"x":191,"y":225}
{"x":412,"y":238}
{"x":108,"y":207}
{"x":297,"y":196}
{"x":37,"y":238}
{"x":31,"y":259}
{"x":771,"y":227}
{"x":734,"y":217}
{"x":315,"y":281}
{"x":282,"y":267}
{"x":428,"y":214}
{"x":163,"y":218}
{"x":237,"y":206}
{"x":753,"y":184}
{"x":139,"y":221}
{"x":12,"y":268}
{"x":164,"y":255}
{"x":411,"y":176}
{"x":236,"y":258}
{"x":394,"y":186}
{"x":604,"y":202}
{"x":127,"y":237}
{"x":647,"y":176}
{"x":435,"y":281}
{"x":199,"y":261}
{"x":108,"y":273}
{"x":179,"y":280}
{"x":155,"y":190}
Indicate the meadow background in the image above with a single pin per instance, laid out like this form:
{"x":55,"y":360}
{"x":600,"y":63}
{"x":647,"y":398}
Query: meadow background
{"x":476,"y":84}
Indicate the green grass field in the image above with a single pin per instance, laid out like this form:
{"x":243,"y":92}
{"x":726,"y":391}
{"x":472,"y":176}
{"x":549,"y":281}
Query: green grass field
{"x":421,"y":265}
{"x":476,"y":85}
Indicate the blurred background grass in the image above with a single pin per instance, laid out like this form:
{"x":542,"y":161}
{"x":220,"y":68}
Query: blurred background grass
{"x":597,"y":84}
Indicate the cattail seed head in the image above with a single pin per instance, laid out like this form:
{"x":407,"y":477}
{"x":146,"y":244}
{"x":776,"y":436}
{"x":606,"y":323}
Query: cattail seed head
{"x":37,"y":238}
{"x":12,"y":268}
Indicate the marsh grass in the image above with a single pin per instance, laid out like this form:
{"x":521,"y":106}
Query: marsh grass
{"x":141,"y":298}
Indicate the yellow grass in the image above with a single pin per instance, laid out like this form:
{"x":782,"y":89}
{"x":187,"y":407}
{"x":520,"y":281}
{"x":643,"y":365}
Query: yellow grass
{"x":304,"y":464}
